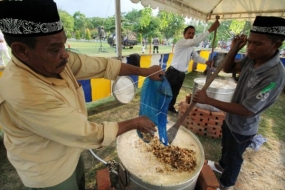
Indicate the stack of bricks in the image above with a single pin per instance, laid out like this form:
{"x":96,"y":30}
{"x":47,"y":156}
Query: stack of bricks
{"x":202,"y":122}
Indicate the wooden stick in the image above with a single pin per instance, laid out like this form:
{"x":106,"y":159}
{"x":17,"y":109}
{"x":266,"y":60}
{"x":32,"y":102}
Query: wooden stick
{"x":209,"y":70}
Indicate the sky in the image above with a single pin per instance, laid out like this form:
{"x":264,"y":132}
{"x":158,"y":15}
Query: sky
{"x":96,"y":8}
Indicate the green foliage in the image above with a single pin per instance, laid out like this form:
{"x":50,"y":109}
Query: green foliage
{"x":139,"y":38}
{"x":109,"y":24}
{"x":172,"y":24}
{"x":164,"y":18}
{"x":175,"y":39}
{"x":149,"y":39}
{"x":79,"y":21}
{"x":166,"y":25}
{"x":87,"y":34}
{"x":67,"y":21}
{"x":77,"y":35}
{"x":237,"y":26}
{"x":201,"y":27}
{"x":160,"y":39}
{"x":146,"y":17}
{"x":68,"y":34}
{"x":96,"y":22}
{"x":223,"y":31}
{"x":131,"y":20}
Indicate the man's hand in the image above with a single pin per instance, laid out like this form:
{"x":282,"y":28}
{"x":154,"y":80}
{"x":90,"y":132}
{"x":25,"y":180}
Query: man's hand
{"x":239,"y":41}
{"x":214,"y":26}
{"x":155,"y":72}
{"x":141,"y":123}
{"x":209,"y":63}
{"x":200,"y":97}
{"x":145,"y":125}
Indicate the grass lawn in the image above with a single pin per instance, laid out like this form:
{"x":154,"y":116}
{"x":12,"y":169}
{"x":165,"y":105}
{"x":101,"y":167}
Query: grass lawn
{"x":93,"y":48}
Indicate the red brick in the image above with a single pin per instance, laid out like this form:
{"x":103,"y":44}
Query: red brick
{"x":199,"y":120}
{"x":218,"y":114}
{"x":103,"y":179}
{"x":203,"y":112}
{"x":214,"y":135}
{"x":195,"y":108}
{"x":211,"y":117}
{"x":215,"y":126}
{"x":207,"y":179}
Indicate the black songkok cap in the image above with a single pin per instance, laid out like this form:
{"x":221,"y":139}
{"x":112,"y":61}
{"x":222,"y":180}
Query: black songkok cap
{"x":29,"y":18}
{"x":269,"y":25}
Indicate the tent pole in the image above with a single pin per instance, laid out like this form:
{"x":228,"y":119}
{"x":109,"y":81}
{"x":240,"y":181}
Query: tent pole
{"x":118,"y":29}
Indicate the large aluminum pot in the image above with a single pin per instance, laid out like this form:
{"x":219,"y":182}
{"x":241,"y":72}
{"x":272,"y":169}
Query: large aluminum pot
{"x":219,"y":89}
{"x":138,"y":169}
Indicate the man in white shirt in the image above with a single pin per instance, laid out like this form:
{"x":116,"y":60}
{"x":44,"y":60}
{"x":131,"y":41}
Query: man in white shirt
{"x":183,"y":52}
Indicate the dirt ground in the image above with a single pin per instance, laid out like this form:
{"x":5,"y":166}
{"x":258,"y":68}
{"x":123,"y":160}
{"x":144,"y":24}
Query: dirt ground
{"x":263,"y":169}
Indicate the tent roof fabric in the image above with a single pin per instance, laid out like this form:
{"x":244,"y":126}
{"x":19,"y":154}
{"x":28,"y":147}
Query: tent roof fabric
{"x":207,"y":10}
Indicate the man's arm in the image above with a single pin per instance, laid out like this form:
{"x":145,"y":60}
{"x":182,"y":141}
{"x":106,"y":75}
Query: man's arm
{"x":238,"y":109}
{"x":237,"y":44}
{"x":196,"y":41}
{"x":153,"y":72}
{"x":142,"y":123}
{"x":197,"y":58}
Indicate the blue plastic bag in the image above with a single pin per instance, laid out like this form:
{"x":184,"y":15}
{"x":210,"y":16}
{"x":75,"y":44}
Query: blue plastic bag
{"x":155,"y":98}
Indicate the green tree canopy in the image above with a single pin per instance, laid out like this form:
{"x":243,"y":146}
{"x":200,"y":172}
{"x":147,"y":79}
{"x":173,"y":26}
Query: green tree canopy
{"x":67,"y":21}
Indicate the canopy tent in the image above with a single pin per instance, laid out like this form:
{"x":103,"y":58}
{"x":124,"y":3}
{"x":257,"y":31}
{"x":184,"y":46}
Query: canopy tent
{"x":207,"y":10}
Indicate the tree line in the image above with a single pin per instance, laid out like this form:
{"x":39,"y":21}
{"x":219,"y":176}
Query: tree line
{"x":167,"y":26}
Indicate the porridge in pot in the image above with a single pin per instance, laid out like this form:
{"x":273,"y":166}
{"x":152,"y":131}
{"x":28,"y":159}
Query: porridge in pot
{"x":152,"y":162}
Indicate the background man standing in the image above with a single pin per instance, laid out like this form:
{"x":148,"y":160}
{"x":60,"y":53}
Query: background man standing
{"x":155,"y":43}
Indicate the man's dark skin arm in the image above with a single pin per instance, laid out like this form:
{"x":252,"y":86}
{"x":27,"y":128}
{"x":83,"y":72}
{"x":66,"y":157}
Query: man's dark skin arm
{"x":237,"y":44}
{"x":228,"y":107}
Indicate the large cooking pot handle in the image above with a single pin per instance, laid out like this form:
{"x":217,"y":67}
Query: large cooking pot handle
{"x":123,"y":175}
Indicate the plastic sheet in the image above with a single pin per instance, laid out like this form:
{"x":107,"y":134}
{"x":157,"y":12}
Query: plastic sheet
{"x":155,"y":98}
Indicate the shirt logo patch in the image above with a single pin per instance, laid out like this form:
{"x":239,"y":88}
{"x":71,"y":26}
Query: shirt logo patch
{"x":265,"y":92}
{"x":252,"y":82}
